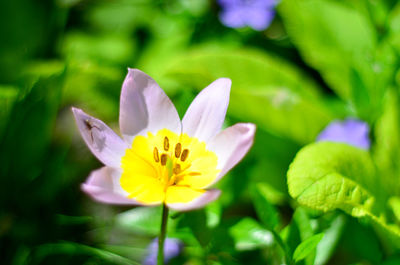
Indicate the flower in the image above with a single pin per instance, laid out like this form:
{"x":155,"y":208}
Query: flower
{"x":172,"y":248}
{"x":256,"y":14}
{"x":351,"y":131}
{"x":161,"y":159}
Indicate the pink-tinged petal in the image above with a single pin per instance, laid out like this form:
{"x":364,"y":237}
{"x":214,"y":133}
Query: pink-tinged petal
{"x":104,"y":143}
{"x":231,"y":145}
{"x":206,"y":114}
{"x":145,"y":107}
{"x":103,"y":186}
{"x":199,"y":202}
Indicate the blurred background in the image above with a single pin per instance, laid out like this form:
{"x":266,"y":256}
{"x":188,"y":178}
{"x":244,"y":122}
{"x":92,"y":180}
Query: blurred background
{"x":296,"y":66}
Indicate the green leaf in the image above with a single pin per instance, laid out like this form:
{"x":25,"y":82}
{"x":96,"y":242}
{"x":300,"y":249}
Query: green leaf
{"x":303,"y":222}
{"x":328,"y":176}
{"x":29,"y":130}
{"x":394,"y":203}
{"x":306,"y":247}
{"x":394,"y":27}
{"x":271,"y":165}
{"x":356,"y":232}
{"x":102,"y":49}
{"x":265,"y":210}
{"x":290,"y":235}
{"x":261,"y":83}
{"x":197,"y":223}
{"x":387,"y":135}
{"x":249,"y":235}
{"x":341,"y":43}
{"x":143,"y":220}
{"x":8,"y":95}
{"x":330,"y":36}
{"x":327,"y":245}
{"x":71,"y":248}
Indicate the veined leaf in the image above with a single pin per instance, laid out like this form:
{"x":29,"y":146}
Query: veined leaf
{"x":328,"y":176}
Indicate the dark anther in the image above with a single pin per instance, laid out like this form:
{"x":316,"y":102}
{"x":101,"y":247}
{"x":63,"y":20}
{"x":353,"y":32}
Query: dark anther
{"x":155,"y":154}
{"x":177,"y":169}
{"x":166,"y":143}
{"x":185,"y":154}
{"x":178,"y":149}
{"x":164,"y":159}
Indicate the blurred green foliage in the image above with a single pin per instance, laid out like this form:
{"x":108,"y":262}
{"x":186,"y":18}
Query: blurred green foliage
{"x":320,"y":60}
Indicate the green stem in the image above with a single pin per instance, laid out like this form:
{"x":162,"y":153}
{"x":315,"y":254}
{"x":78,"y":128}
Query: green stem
{"x":161,"y":238}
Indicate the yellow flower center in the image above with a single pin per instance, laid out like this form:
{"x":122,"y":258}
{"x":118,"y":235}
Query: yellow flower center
{"x":167,"y":167}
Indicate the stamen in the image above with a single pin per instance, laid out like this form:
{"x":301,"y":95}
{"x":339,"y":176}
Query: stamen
{"x":194,"y":174}
{"x":185,"y":154}
{"x":177,"y":169}
{"x":178,"y":149}
{"x":164,"y":159}
{"x":166,"y":143}
{"x":155,"y":154}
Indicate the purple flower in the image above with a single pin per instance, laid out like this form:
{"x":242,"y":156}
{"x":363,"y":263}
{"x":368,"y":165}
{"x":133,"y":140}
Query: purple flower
{"x":172,"y":248}
{"x":256,"y":14}
{"x":350,"y":131}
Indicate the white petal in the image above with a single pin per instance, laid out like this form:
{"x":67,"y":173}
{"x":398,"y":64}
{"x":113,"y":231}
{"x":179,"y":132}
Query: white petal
{"x":145,"y":107}
{"x":103,"y":186}
{"x":207,"y":197}
{"x":107,"y":146}
{"x":206,"y":114}
{"x":231,"y":145}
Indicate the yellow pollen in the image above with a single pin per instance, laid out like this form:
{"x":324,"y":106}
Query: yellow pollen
{"x":185,"y":154}
{"x":158,"y":169}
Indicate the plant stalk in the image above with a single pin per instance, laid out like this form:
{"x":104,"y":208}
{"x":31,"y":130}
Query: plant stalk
{"x":285,"y":250}
{"x":163,"y":233}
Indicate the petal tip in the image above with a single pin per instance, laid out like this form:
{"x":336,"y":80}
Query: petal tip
{"x":131,"y":70}
{"x":135,"y":71}
{"x":251,"y":128}
{"x":224,"y":82}
{"x":246,"y":129}
{"x":76,"y":111}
